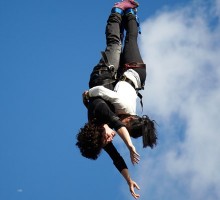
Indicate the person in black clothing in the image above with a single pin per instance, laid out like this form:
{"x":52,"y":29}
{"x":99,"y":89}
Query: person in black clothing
{"x":97,"y":134}
{"x":131,"y":70}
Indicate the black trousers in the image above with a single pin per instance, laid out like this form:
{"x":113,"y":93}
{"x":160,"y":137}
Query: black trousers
{"x":101,"y":74}
{"x":131,"y":52}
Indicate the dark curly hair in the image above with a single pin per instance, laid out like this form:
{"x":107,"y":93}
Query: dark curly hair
{"x":144,"y":126}
{"x":89,"y":140}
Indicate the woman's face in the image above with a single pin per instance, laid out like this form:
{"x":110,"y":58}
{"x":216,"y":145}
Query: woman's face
{"x":108,"y":135}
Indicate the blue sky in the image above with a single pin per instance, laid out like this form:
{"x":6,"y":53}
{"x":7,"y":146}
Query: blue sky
{"x":47,"y":51}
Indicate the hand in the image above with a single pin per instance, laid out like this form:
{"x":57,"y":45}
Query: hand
{"x":124,"y":134}
{"x":135,"y":157}
{"x":85,"y":98}
{"x":130,"y":182}
{"x":133,"y":185}
{"x":108,"y":135}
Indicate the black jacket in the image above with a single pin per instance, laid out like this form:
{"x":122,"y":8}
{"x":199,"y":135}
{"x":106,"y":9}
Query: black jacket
{"x":100,"y":110}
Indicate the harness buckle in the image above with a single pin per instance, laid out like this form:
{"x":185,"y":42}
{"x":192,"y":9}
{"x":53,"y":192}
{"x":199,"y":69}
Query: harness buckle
{"x":111,"y":68}
{"x":123,"y":78}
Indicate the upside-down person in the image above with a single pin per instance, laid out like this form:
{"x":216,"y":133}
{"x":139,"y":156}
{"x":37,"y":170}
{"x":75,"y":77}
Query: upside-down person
{"x":131,"y":79}
{"x":96,"y":134}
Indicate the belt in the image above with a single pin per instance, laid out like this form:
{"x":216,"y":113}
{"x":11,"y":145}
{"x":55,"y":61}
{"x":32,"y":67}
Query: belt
{"x":135,"y":65}
{"x":107,"y":81}
{"x":100,"y":69}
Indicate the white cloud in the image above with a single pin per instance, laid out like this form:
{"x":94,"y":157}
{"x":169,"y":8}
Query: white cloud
{"x":217,"y":8}
{"x":181,"y":48}
{"x":19,"y":190}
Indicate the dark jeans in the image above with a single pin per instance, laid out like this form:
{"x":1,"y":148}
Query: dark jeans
{"x":131,"y":52}
{"x":101,"y":75}
{"x":113,"y":40}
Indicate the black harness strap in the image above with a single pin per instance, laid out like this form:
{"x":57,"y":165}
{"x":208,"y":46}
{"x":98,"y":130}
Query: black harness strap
{"x":107,"y":64}
{"x":101,"y":69}
{"x":124,"y":78}
{"x":133,"y":65}
{"x":107,"y":81}
{"x":141,"y":97}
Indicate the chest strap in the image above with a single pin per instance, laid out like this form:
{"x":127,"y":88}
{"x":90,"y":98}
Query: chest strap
{"x":124,"y":78}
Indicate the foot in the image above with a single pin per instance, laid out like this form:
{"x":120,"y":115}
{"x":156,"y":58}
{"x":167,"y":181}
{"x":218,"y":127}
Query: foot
{"x":131,"y":10}
{"x":126,"y":4}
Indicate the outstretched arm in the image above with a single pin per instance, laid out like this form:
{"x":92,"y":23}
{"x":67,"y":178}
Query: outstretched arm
{"x":101,"y":111}
{"x":123,"y":133}
{"x":122,"y":167}
{"x":132,"y":185}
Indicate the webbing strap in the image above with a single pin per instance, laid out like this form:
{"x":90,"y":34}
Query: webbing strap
{"x":105,"y":59}
{"x":134,"y":12}
{"x":141,"y":97}
{"x":134,"y":65}
{"x":124,"y":78}
{"x":117,"y":10}
{"x":107,"y":81}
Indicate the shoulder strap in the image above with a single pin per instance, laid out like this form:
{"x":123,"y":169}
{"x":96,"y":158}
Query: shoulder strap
{"x":105,"y":60}
{"x":141,"y":97}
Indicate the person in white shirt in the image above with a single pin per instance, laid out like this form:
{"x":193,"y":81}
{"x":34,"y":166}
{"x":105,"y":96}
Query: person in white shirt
{"x":123,"y":98}
{"x":131,"y":74}
{"x":96,"y":135}
{"x":131,"y":78}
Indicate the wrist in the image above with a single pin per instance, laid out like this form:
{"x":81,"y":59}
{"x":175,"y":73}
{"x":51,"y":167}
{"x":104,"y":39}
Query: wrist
{"x":131,"y":147}
{"x":87,"y":95}
{"x":129,"y":180}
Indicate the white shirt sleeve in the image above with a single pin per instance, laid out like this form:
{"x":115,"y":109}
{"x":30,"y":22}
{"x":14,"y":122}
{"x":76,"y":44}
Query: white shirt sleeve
{"x":121,"y":106}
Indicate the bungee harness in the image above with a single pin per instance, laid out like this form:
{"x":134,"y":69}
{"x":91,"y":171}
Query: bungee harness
{"x":133,"y":65}
{"x":103,"y":74}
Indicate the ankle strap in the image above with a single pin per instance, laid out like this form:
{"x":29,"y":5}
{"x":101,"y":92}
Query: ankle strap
{"x":130,"y":11}
{"x":134,"y":12}
{"x":117,"y":10}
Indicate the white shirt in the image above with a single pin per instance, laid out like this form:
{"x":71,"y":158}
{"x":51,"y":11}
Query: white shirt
{"x":134,"y":77}
{"x":123,"y":97}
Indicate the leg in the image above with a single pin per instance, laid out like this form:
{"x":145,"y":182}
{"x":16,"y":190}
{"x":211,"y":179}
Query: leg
{"x":113,"y":32}
{"x":102,"y":74}
{"x":131,"y":52}
{"x":113,"y":40}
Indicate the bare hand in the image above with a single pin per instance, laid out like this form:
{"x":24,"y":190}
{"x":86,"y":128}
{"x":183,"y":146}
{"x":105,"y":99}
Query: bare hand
{"x":132,"y":186}
{"x":135,"y":157}
{"x":85,"y":98}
